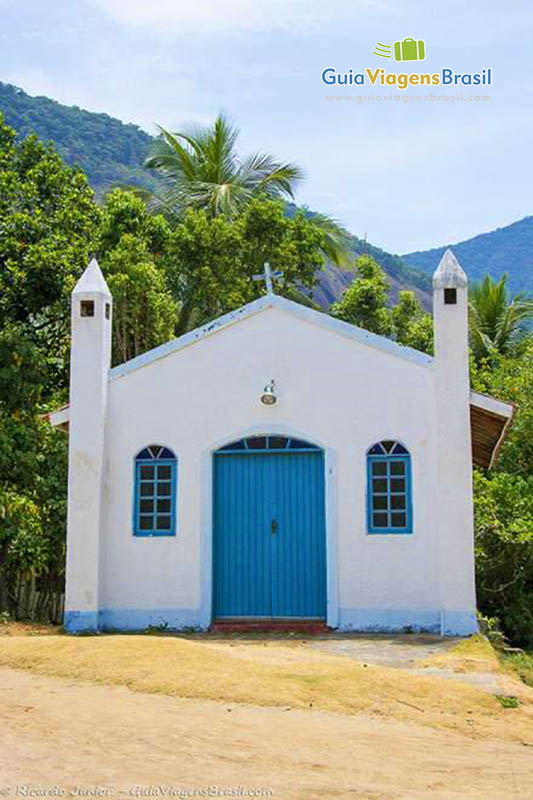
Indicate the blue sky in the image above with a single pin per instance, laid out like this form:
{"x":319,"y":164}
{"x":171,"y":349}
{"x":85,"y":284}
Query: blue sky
{"x":410,"y":175}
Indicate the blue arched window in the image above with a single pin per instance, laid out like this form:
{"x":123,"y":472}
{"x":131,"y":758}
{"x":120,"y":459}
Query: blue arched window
{"x":154,"y":512}
{"x":389,"y":488}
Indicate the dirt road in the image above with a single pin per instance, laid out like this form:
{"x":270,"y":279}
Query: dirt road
{"x":56,"y":733}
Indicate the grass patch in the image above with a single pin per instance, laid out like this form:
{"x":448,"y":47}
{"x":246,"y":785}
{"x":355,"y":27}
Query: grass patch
{"x":268,"y":674}
{"x":507,"y":700}
{"x":522,"y":665}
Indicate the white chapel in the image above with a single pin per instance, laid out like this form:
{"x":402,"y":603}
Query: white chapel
{"x":274,"y":465}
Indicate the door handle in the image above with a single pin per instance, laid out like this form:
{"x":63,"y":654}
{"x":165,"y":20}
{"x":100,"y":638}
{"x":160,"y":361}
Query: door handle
{"x":273,"y":526}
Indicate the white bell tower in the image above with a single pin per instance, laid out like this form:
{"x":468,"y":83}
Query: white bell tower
{"x":89,"y":375}
{"x":454,"y":511}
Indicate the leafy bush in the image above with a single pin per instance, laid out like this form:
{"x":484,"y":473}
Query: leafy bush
{"x":503,"y":506}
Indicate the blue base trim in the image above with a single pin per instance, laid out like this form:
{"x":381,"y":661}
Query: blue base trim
{"x":379,"y":620}
{"x":362,"y":620}
{"x":133,"y":619}
{"x":80,"y":621}
{"x":459,"y":623}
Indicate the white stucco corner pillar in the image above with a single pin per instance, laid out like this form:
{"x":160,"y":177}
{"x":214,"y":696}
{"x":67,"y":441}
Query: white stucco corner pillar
{"x":454,"y":508}
{"x":89,"y":373}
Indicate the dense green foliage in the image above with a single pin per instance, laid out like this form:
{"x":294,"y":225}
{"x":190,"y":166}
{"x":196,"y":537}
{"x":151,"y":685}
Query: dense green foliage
{"x":213,"y":259}
{"x":504,"y":552}
{"x":504,"y":502}
{"x":166,"y":279}
{"x":366,"y":304}
{"x":131,"y":249}
{"x":107,"y":150}
{"x":498,"y":325}
{"x":511,"y":379}
{"x":505,"y":250}
{"x":47,"y":220}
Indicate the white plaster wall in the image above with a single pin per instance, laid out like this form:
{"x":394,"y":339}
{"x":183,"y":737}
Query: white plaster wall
{"x":338,"y":393}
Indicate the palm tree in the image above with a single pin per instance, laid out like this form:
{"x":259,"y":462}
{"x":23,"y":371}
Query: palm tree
{"x":497,"y":325}
{"x":201,"y":169}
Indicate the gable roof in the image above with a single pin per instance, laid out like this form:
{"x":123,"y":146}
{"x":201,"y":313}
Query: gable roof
{"x":288,"y":306}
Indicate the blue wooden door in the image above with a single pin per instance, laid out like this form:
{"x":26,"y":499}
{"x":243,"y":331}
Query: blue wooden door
{"x":269,"y":532}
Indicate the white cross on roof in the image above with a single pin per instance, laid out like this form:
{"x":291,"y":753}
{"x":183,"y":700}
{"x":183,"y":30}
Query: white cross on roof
{"x":267,"y":277}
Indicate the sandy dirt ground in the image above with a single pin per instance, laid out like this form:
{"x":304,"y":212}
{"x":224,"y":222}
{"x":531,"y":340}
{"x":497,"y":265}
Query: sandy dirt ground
{"x":56,"y":733}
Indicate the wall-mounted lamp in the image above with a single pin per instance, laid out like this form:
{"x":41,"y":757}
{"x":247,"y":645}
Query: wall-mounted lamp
{"x":268,"y":398}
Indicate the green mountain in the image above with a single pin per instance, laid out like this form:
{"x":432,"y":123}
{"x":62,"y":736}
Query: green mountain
{"x":107,"y":150}
{"x":111,"y":152}
{"x":508,"y":249}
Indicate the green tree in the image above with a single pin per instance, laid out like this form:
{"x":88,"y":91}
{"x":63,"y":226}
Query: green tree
{"x":48,"y":222}
{"x":503,"y":507}
{"x":48,"y":219}
{"x":364,"y":302}
{"x":32,"y":483}
{"x":144,"y":311}
{"x":212,"y":259}
{"x":412,"y":326}
{"x":123,"y":213}
{"x":498,"y":325}
{"x":32,"y":519}
{"x":511,"y":379}
{"x":133,"y":246}
{"x":200,"y":169}
{"x":504,"y":500}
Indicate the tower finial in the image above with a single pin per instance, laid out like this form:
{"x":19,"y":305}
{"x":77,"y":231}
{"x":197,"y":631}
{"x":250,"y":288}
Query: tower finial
{"x":449,"y":274}
{"x":92,"y":280}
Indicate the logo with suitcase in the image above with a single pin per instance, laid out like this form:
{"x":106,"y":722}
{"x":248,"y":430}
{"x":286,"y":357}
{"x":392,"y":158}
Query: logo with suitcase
{"x":405,"y":50}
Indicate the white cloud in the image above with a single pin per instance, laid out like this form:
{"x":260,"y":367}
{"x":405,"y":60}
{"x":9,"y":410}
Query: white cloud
{"x":216,"y":16}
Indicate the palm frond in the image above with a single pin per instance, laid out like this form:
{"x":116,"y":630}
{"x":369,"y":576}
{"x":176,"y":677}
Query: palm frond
{"x":497,"y":324}
{"x":267,"y":176}
{"x":338,"y":246}
{"x":170,"y":156}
